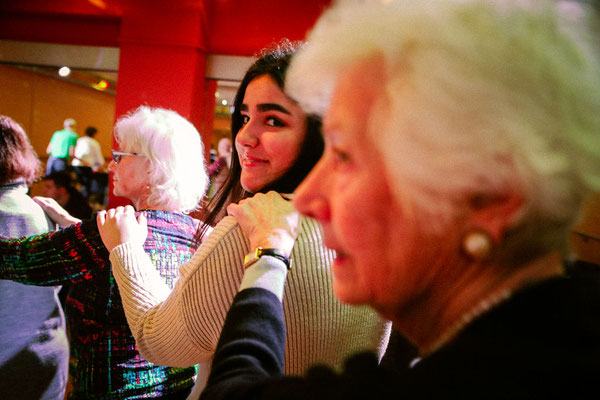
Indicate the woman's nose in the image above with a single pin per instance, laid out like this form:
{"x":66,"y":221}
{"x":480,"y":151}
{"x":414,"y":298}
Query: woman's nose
{"x":248,"y":135}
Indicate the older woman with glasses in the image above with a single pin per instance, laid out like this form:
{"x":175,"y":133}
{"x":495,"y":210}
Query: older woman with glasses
{"x":157,"y":149}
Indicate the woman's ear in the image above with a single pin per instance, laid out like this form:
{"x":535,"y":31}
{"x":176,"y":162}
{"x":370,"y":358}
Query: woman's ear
{"x":495,"y":214}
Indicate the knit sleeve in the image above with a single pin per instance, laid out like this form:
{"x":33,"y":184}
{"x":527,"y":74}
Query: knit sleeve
{"x":71,"y":254}
{"x":181,"y":328}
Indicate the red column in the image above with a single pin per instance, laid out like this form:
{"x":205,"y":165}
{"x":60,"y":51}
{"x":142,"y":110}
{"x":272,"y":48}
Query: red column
{"x":162,"y":62}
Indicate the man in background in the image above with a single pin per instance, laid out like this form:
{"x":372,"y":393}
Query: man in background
{"x":59,"y":186}
{"x":61,"y":147}
{"x":87,"y":160}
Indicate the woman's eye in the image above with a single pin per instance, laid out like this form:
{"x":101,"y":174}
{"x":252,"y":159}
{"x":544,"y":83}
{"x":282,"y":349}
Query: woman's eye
{"x":245,"y":119}
{"x":272,"y":121}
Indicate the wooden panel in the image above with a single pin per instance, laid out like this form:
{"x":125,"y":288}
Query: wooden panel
{"x":41,"y":104}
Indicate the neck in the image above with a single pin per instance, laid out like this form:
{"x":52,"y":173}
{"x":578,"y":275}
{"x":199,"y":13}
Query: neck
{"x":447,"y":309}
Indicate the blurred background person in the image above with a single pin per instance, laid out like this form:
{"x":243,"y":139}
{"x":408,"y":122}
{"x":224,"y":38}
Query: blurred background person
{"x":276,"y":145}
{"x":219,"y":169}
{"x":158,"y":167}
{"x":87,"y":160}
{"x":34,"y":351}
{"x":59,"y":186}
{"x":461,"y":140}
{"x":61,"y":147}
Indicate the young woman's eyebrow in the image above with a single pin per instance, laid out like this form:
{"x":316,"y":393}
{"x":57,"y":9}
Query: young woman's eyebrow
{"x":272,"y":107}
{"x":267,"y":107}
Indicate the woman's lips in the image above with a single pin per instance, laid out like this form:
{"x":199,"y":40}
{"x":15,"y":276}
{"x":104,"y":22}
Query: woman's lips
{"x":249,"y":161}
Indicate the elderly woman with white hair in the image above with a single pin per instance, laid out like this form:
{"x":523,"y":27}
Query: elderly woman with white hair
{"x":461,"y":138}
{"x":158,"y":150}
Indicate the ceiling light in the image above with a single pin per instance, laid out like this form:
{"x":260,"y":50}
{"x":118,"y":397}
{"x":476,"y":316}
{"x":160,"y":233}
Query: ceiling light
{"x":64,"y":71}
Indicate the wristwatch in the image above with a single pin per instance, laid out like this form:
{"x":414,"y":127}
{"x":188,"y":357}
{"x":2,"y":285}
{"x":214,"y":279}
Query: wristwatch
{"x":257,"y":253}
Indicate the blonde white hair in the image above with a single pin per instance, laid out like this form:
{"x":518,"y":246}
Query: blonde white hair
{"x":174,"y":149}
{"x":503,"y":94}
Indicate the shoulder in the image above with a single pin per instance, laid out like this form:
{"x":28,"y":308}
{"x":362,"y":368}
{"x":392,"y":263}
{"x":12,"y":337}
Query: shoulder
{"x":227,"y":234}
{"x":20,"y":215}
{"x":171,"y":223}
{"x":222,"y":250}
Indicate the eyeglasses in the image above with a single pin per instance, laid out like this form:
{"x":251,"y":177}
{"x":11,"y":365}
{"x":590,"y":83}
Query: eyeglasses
{"x":117,"y":155}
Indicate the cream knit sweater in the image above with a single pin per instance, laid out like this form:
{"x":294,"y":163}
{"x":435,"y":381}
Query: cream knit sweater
{"x":181,"y":327}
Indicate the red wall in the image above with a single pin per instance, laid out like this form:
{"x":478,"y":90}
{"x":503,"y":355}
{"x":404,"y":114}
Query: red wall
{"x":163,"y":44}
{"x":235,"y":27}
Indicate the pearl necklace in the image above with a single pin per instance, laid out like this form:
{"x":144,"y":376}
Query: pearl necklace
{"x":481,"y":308}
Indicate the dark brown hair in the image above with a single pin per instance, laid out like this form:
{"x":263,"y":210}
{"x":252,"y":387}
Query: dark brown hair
{"x":18,"y":160}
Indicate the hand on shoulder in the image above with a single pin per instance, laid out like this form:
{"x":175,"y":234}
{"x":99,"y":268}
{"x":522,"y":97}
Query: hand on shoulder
{"x":119,"y":225}
{"x":268,"y":220}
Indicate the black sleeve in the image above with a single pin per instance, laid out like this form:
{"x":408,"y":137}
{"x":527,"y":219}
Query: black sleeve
{"x":251,"y":347}
{"x":248,"y":362}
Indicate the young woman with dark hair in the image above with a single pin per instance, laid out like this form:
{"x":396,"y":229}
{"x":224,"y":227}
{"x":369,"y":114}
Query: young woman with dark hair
{"x":273,"y":64}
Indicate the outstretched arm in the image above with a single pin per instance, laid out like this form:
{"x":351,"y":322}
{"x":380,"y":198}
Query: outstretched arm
{"x":54,"y":210}
{"x":72,"y":254}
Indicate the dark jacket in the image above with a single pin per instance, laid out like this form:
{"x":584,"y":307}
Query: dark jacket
{"x":543,"y":342}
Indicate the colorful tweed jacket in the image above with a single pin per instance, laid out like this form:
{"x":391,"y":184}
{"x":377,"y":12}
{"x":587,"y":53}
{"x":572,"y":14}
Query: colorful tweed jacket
{"x":105,"y":363}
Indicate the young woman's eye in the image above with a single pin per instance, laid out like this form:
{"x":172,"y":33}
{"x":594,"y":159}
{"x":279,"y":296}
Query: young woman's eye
{"x":276,"y":122}
{"x":245,"y":119}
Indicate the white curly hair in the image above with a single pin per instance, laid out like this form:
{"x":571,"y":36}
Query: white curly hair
{"x":503,"y":94}
{"x":175,"y":152}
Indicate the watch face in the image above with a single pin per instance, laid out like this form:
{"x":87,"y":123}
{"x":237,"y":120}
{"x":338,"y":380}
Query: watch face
{"x":252,"y":257}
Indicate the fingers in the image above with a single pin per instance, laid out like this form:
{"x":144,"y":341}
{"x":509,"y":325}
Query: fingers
{"x":232,"y":209}
{"x":116,"y":214}
{"x":119,"y":225}
{"x":119,"y":211}
{"x":142,"y":221}
{"x":101,"y":218}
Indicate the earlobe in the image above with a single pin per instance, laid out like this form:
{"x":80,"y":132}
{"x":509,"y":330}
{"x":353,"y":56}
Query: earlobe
{"x":495,"y":214}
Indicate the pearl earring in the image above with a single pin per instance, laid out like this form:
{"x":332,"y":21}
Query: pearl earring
{"x":476,"y":245}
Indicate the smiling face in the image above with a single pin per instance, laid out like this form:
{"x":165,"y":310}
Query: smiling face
{"x":131,"y":178}
{"x":271,"y":136}
{"x":381,"y":252}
